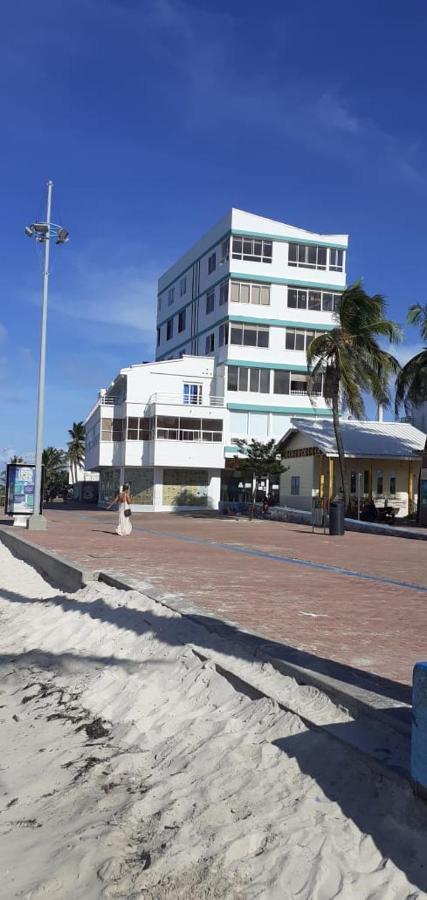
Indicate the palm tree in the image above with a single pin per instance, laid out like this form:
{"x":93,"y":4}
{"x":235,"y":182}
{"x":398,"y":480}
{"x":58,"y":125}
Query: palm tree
{"x":352,"y":360}
{"x":55,"y":469}
{"x":411,"y":382}
{"x":76,"y":448}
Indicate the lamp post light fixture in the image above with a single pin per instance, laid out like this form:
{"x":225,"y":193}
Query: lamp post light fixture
{"x":43,"y":232}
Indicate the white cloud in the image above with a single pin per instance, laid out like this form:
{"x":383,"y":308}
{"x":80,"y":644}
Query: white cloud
{"x":119,"y":297}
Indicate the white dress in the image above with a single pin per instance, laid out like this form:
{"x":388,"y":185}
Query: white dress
{"x":125,"y":524}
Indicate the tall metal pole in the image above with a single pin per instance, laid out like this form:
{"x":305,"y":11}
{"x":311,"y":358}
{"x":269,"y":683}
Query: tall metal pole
{"x":37,"y":521}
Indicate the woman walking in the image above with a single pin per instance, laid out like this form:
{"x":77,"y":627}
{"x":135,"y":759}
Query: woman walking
{"x":123,"y":498}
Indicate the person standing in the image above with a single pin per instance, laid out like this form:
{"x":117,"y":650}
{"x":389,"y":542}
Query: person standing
{"x":123,"y":498}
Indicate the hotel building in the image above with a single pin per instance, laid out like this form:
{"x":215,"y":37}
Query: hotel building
{"x":234,"y":317}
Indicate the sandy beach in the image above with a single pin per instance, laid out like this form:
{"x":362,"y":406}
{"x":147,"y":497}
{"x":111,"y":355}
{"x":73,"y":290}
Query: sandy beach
{"x":133,"y":767}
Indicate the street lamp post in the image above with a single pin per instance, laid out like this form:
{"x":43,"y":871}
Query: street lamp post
{"x":43,"y":232}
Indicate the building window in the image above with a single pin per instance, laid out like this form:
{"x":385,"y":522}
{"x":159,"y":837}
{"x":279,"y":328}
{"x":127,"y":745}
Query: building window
{"x":295,"y":383}
{"x":299,"y":338}
{"x":336,"y":260}
{"x":380,"y":481}
{"x":174,"y":428}
{"x":295,"y":485}
{"x":223,"y":293}
{"x":211,"y":263}
{"x":181,"y":320}
{"x":308,"y":256}
{"x":192,"y":394}
{"x":112,"y":429}
{"x":250,"y":292}
{"x":183,"y":286}
{"x":223,"y":335}
{"x":159,"y":303}
{"x":246,"y":335}
{"x":353,"y":477}
{"x":210,"y":343}
{"x":280,"y":382}
{"x":210,"y":302}
{"x":169,"y":329}
{"x":171,"y":296}
{"x":366,"y":481}
{"x":252,"y":249}
{"x":299,"y":383}
{"x":320,"y":301}
{"x":139,"y":428}
{"x":242,"y":378}
{"x":392,"y":484}
{"x":225,"y":250}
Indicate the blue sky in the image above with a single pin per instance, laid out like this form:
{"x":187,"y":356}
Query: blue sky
{"x":153,"y":118}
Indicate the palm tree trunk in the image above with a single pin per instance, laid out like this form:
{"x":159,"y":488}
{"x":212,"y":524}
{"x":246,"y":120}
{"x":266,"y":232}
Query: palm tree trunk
{"x":340,"y":447}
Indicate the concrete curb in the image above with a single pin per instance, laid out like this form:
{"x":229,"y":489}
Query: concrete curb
{"x":385,"y":715}
{"x":303,"y":517}
{"x":62,"y":573}
{"x":356,"y":699}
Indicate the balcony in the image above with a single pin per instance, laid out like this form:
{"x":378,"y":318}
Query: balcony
{"x":198,"y":399}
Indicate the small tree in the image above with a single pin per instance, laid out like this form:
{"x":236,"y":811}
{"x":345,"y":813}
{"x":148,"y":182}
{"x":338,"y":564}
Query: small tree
{"x":259,"y":460}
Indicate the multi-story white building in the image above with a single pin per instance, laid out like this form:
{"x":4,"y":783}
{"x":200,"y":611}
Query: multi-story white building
{"x":160,"y":427}
{"x":234,"y":317}
{"x":251,"y":294}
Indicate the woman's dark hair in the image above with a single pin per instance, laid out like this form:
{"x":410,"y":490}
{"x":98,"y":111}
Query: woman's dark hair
{"x":125,"y":486}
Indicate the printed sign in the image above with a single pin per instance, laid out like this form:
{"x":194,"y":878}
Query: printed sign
{"x":20,"y":490}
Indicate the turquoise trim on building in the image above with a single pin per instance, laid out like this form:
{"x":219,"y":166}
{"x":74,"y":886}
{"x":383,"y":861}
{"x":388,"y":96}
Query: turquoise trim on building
{"x":274,"y":323}
{"x":282,"y":323}
{"x":288,"y":240}
{"x":253,"y":234}
{"x":195,"y":261}
{"x":244,"y":276}
{"x":288,"y":410}
{"x":194,"y":337}
{"x":233,"y":450}
{"x":174,"y":312}
{"x":263,"y":365}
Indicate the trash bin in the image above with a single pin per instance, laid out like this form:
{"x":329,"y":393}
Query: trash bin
{"x":336,"y":517}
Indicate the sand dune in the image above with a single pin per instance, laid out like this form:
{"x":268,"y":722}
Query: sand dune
{"x":131,"y":767}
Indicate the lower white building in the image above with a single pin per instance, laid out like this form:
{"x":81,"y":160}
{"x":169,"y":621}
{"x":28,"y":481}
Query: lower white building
{"x":161,"y":427}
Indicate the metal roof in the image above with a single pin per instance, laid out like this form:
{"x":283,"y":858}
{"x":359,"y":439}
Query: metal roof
{"x":365,"y":439}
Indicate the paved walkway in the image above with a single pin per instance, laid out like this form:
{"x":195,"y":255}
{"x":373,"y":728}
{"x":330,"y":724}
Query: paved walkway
{"x":360,"y":600}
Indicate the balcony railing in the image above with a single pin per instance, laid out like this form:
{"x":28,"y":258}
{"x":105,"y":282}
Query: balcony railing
{"x":181,"y":400}
{"x":302,"y":393}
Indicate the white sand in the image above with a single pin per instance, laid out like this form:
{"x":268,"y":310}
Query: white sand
{"x":196,"y":790}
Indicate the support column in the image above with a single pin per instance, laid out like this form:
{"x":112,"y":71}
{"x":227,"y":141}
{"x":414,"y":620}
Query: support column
{"x":157,"y":488}
{"x":321,"y":478}
{"x":370,"y":480}
{"x":331,"y":478}
{"x":410,"y":489}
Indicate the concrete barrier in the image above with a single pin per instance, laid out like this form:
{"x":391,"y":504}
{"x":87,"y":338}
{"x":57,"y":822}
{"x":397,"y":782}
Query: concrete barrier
{"x":60,"y":572}
{"x":419,"y":730}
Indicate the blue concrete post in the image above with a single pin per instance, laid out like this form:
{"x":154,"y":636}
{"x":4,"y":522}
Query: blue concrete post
{"x":419,"y":729}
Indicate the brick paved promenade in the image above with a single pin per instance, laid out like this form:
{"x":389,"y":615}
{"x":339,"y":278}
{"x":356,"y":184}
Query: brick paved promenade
{"x":266,"y":576}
